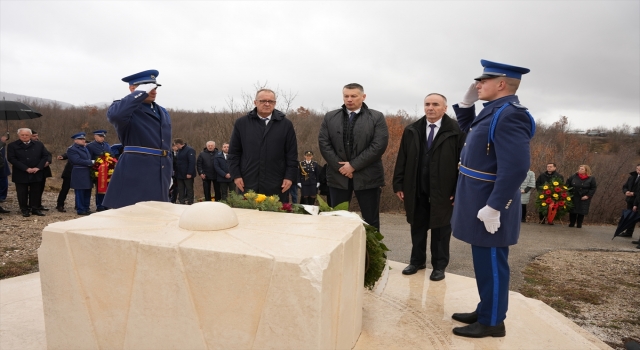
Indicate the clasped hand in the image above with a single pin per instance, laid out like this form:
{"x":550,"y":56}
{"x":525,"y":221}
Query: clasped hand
{"x":346,"y":169}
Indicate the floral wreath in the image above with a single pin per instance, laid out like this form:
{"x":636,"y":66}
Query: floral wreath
{"x":554,"y":196}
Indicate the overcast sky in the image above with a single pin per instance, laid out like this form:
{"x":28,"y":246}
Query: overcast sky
{"x":584,"y":56}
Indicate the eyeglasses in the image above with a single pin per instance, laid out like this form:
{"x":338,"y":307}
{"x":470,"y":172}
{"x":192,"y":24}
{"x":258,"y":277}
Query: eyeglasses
{"x":264,"y":102}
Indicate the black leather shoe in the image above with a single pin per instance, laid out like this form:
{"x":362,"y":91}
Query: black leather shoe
{"x":638,"y":246}
{"x":625,"y":234}
{"x":2,"y":211}
{"x":43,"y":208}
{"x":26,"y":213}
{"x":437,"y":275}
{"x":468,"y":318}
{"x":478,"y":330}
{"x":411,"y":269}
{"x":85,"y":213}
{"x":37,"y":212}
{"x":61,"y":209}
{"x":635,"y":242}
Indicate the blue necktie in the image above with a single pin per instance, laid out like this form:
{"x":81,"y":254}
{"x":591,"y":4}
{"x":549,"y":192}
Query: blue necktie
{"x":430,"y":138}
{"x":351,"y":116}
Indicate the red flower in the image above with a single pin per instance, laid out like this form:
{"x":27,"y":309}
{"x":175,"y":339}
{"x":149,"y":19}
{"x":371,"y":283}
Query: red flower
{"x":549,"y":201}
{"x":558,"y":189}
{"x":287,"y":207}
{"x":564,"y":194}
{"x":547,"y":192}
{"x":561,"y":203}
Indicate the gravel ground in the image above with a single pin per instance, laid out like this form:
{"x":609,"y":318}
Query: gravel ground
{"x":586,"y":258}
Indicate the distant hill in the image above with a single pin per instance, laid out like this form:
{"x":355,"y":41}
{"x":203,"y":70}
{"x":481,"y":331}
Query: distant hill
{"x":15,"y":97}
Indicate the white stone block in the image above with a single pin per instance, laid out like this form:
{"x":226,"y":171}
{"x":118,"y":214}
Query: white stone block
{"x":135,"y":278}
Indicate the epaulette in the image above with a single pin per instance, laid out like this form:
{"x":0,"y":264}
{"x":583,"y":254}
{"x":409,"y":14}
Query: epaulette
{"x":517,"y":105}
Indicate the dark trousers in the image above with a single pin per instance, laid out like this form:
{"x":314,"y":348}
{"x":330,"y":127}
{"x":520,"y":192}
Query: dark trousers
{"x":4,"y":187}
{"x":369,"y":201}
{"x":206,"y":188}
{"x":30,"y":204}
{"x":173,"y":190}
{"x":64,"y":191}
{"x":524,"y":213}
{"x":99,"y":198}
{"x":631,"y":228}
{"x":440,"y":238}
{"x":185,"y":191}
{"x":575,"y":219}
{"x":29,"y":193}
{"x":294,"y":193}
{"x":491,"y":266}
{"x":225,"y":187}
{"x":83,"y":200}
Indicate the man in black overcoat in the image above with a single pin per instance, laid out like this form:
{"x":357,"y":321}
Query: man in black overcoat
{"x":263,"y":152}
{"x":631,"y":190}
{"x":425,"y":179}
{"x":28,"y":159}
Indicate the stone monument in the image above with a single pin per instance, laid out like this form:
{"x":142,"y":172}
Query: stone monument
{"x":159,"y":275}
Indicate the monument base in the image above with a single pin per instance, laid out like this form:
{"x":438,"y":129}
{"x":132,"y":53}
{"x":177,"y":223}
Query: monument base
{"x":412,"y":313}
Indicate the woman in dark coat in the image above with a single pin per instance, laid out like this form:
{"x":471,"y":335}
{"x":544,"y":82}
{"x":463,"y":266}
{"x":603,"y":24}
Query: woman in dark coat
{"x":308,"y":179}
{"x":583,"y":187}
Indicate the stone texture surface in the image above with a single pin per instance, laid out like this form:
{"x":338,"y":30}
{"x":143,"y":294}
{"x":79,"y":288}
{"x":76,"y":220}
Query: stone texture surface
{"x":135,"y":278}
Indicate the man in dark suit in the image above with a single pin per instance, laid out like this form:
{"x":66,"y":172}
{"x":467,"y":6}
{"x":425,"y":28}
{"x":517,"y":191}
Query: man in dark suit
{"x":185,"y":167}
{"x":221,"y":167}
{"x":425,"y":178}
{"x":493,"y":163}
{"x":35,"y":137}
{"x":631,"y":190}
{"x":28,"y":159}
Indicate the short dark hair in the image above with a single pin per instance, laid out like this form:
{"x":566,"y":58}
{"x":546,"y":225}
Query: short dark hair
{"x":554,"y":164}
{"x":33,"y":132}
{"x":178,"y":141}
{"x":354,"y":86}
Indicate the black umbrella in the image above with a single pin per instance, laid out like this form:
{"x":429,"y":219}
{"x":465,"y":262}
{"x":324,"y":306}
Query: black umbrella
{"x":628,"y":218}
{"x":14,"y":110}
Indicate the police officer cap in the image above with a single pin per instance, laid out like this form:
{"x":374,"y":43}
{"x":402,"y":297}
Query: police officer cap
{"x":495,"y":69}
{"x":79,"y":135}
{"x":308,"y":153}
{"x":100,"y":132}
{"x":148,"y":76}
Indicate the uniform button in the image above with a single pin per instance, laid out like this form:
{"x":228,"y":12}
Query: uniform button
{"x":163,"y":166}
{"x":470,"y":129}
{"x":464,"y":144}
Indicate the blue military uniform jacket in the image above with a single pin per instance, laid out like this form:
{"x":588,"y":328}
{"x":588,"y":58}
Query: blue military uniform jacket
{"x":140,"y":177}
{"x":80,"y":160}
{"x":508,"y":158}
{"x":97,"y":149}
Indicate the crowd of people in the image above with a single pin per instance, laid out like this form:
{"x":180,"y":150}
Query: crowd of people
{"x":439,"y":159}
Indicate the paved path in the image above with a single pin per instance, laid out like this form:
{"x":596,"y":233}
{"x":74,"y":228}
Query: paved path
{"x":535,"y":240}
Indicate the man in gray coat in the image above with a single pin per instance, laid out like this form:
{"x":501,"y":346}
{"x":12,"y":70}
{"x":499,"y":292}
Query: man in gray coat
{"x":352,"y":140}
{"x":425,"y":179}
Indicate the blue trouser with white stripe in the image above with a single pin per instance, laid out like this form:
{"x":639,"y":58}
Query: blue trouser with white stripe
{"x":491,"y":266}
{"x":83,"y":200}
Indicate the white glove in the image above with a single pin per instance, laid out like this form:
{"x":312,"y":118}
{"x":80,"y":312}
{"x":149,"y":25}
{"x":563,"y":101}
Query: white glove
{"x":318,"y":185}
{"x":299,"y":185}
{"x":490,"y":217}
{"x":146,"y":87}
{"x":470,"y":97}
{"x":93,"y":162}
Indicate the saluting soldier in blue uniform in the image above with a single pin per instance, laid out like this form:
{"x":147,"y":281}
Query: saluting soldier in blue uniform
{"x":81,"y":162}
{"x":493,"y":163}
{"x":96,"y":148}
{"x":143,"y":172}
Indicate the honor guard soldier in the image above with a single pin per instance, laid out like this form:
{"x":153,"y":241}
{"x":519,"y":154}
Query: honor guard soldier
{"x":96,"y":148}
{"x":81,"y":162}
{"x":308,"y":179}
{"x":144,"y":169}
{"x":493,"y":163}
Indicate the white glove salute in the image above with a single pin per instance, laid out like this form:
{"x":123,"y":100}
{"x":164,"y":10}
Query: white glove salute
{"x":470,"y":97}
{"x":299,"y":185}
{"x":146,"y":87}
{"x":490,"y":217}
{"x":318,"y":185}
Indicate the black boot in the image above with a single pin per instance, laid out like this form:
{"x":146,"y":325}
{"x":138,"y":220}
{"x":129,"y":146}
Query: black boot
{"x":579,"y":222}
{"x":572,"y":220}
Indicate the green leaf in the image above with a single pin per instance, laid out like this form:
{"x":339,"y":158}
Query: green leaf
{"x":342,"y":206}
